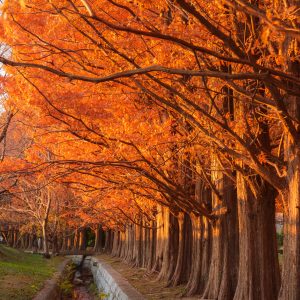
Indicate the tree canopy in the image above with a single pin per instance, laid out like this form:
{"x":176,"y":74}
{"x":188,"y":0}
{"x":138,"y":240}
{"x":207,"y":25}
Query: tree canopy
{"x":173,"y":124}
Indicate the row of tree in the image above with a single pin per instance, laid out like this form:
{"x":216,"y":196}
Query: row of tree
{"x":70,"y":242}
{"x":174,"y":124}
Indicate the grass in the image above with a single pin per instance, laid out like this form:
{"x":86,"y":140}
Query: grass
{"x":23,"y":274}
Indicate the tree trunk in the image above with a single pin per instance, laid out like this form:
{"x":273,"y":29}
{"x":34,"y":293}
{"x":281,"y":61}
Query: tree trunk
{"x":159,"y":241}
{"x":10,"y":240}
{"x":183,"y":263}
{"x":15,"y":238}
{"x":290,"y":288}
{"x":128,"y":251}
{"x":108,"y":238}
{"x":151,"y":246}
{"x":121,"y":244}
{"x":45,"y":241}
{"x":70,"y":241}
{"x":193,"y":284}
{"x":258,"y":275}
{"x":30,"y":241}
{"x":35,"y":246}
{"x":64,"y":243}
{"x":170,"y":245}
{"x":55,"y":248}
{"x":76,"y":241}
{"x":116,"y":241}
{"x":222,"y":276}
{"x":98,"y":239}
{"x":23,"y":241}
{"x":82,"y":239}
{"x":137,"y":248}
{"x":201,"y":242}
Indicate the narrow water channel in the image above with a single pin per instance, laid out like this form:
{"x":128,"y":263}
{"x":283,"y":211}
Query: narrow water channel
{"x":83,"y":284}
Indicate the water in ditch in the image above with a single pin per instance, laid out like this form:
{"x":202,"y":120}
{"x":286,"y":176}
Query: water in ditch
{"x":82,"y":285}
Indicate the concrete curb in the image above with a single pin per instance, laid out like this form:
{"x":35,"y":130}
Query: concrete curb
{"x":108,"y":280}
{"x":50,"y":290}
{"x":112,"y":283}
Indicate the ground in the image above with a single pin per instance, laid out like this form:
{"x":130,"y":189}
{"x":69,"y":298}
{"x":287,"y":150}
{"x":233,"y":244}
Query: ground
{"x":146,"y":284}
{"x":23,"y":274}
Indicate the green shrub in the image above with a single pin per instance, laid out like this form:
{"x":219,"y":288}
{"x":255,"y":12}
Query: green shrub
{"x":66,"y":287}
{"x":65,"y":284}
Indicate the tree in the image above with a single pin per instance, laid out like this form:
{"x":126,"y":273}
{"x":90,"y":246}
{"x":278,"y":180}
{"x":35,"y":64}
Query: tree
{"x":156,"y":99}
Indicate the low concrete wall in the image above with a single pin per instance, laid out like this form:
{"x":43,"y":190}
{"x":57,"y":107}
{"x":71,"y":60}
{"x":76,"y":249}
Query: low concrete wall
{"x":51,"y":290}
{"x":109,"y":281}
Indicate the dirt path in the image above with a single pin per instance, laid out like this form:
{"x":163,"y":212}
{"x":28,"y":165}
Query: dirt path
{"x":146,"y":284}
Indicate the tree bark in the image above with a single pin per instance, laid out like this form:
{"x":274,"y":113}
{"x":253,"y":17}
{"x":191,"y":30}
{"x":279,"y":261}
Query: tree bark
{"x":151,"y":246}
{"x":15,"y":238}
{"x":76,"y":240}
{"x":290,"y":288}
{"x":98,"y":238}
{"x":159,"y":240}
{"x":10,"y":237}
{"x":30,"y":241}
{"x":258,"y":275}
{"x":291,"y":240}
{"x":183,"y":263}
{"x":116,"y":241}
{"x":64,"y":243}
{"x":23,"y":241}
{"x":82,"y":239}
{"x":193,"y":285}
{"x":222,"y":276}
{"x":169,"y":245}
{"x":45,"y":236}
{"x":128,"y":252}
{"x":137,"y":248}
{"x":108,"y":238}
{"x":201,"y":242}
